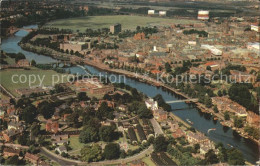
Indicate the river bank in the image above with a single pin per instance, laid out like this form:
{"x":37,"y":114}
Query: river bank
{"x":154,"y":82}
{"x":201,"y":121}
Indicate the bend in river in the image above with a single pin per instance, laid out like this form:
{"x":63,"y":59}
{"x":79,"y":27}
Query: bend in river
{"x":201,"y":121}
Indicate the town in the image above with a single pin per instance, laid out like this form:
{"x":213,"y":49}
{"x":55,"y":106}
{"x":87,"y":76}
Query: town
{"x":118,"y":83}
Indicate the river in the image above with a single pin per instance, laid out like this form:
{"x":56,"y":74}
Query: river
{"x":201,"y":121}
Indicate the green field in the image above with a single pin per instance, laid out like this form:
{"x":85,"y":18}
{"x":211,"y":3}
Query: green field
{"x":48,"y":76}
{"x":127,"y":22}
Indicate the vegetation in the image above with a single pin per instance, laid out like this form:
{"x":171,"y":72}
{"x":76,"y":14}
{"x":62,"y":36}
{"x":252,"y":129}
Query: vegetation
{"x":160,"y":144}
{"x":112,"y":151}
{"x":194,"y":31}
{"x":91,"y":153}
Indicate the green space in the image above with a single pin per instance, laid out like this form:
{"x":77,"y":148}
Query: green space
{"x":148,"y":161}
{"x":75,"y":144}
{"x":127,"y":22}
{"x":48,"y":76}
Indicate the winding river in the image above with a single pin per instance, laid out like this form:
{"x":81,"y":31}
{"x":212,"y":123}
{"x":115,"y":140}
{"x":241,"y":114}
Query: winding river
{"x":201,"y":121}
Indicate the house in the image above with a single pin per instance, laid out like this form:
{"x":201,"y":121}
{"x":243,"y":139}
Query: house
{"x":160,"y":115}
{"x":32,"y":158}
{"x":15,"y":125}
{"x":137,"y":163}
{"x":253,"y":119}
{"x":122,"y":107}
{"x":52,"y":126}
{"x":60,"y":137}
{"x":23,"y":63}
{"x":178,"y":133}
{"x":8,"y":152}
{"x":61,"y":149}
{"x":132,"y":135}
{"x":173,"y":125}
{"x":195,"y":138}
{"x":151,"y":104}
{"x":60,"y":142}
{"x":206,"y":146}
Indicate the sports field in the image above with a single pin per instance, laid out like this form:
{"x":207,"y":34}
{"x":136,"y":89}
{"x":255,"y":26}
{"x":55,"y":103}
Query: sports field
{"x":127,"y":22}
{"x":13,"y":79}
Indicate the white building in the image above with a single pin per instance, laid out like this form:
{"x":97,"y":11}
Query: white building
{"x":151,"y":104}
{"x":212,"y":49}
{"x":255,"y":27}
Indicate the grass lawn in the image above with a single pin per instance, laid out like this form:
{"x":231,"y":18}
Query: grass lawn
{"x":75,"y":144}
{"x":48,"y":76}
{"x":127,"y":22}
{"x":3,"y":97}
{"x":148,"y":161}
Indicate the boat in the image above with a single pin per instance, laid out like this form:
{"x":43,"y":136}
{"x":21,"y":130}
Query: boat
{"x":211,"y":129}
{"x":189,"y":121}
{"x":230,"y":145}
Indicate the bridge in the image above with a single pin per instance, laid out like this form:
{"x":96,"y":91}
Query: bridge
{"x":179,"y":101}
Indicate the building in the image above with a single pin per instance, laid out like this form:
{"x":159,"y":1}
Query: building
{"x":241,"y":77}
{"x":151,"y":12}
{"x":8,"y":152}
{"x":162,"y":13}
{"x":255,"y":27}
{"x":253,"y":119}
{"x":160,"y":115}
{"x":114,"y":29}
{"x":52,"y":126}
{"x":23,"y":63}
{"x":151,"y":104}
{"x":75,"y":46}
{"x":203,"y":15}
{"x":61,"y":149}
{"x":32,"y":158}
{"x":196,"y":138}
{"x":139,"y":36}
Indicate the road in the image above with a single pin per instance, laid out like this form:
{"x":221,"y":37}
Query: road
{"x":64,"y":161}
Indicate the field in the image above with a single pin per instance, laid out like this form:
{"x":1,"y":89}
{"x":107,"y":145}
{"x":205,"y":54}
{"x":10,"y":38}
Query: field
{"x":21,"y":78}
{"x":127,"y":22}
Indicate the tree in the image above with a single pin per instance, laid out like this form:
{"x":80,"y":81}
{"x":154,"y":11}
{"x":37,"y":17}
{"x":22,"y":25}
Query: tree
{"x":33,"y":62}
{"x":235,"y":157}
{"x":14,"y":160}
{"x":29,"y":114}
{"x":168,"y":67}
{"x":35,"y":129}
{"x":226,"y":115}
{"x":241,"y":94}
{"x":208,"y":101}
{"x":211,"y":157}
{"x":215,"y":108}
{"x":88,"y":134}
{"x":73,"y":119}
{"x":46,"y":109}
{"x":220,"y":93}
{"x":160,"y":144}
{"x":106,"y":133}
{"x":144,"y":112}
{"x":238,"y":122}
{"x":112,"y":151}
{"x":82,"y":96}
{"x":91,"y":153}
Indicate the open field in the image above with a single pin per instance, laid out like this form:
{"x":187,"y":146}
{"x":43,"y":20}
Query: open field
{"x":127,"y":21}
{"x":19,"y":76}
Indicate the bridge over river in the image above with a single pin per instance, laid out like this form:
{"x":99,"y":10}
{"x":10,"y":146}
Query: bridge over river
{"x":185,"y":100}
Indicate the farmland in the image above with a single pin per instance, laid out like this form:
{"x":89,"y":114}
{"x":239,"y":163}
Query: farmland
{"x":127,"y":21}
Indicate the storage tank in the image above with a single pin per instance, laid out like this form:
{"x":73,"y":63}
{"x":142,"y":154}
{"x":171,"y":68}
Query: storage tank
{"x":151,"y":12}
{"x":203,"y":14}
{"x":162,"y":13}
